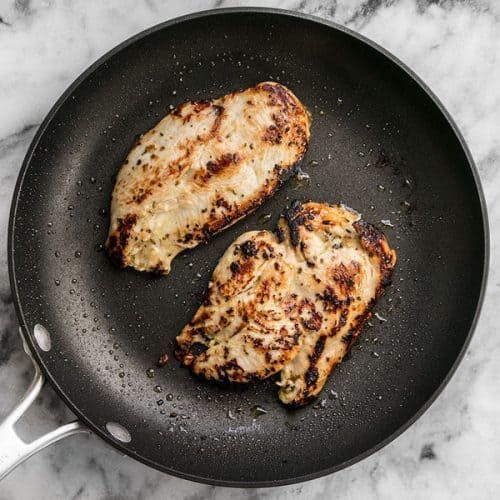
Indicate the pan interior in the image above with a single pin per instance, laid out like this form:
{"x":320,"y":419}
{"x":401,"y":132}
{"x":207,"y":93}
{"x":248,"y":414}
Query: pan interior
{"x":379,"y":144}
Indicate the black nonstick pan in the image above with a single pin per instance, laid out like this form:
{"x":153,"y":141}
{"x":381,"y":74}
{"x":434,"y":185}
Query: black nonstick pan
{"x":381,"y":143}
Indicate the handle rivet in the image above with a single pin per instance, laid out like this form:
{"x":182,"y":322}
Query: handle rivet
{"x":42,"y":337}
{"x":119,"y":432}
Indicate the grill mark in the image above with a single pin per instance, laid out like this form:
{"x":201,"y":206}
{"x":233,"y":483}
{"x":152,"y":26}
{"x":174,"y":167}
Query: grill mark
{"x":289,"y":215}
{"x":314,"y":322}
{"x":318,"y":349}
{"x":197,"y":348}
{"x":218,"y":166}
{"x":272,"y":135}
{"x":249,"y":249}
{"x":197,"y":107}
{"x":280,"y":126}
{"x":219,"y":113}
{"x":201,"y":105}
{"x":118,"y":240}
{"x":295,"y":217}
{"x":311,"y":376}
{"x":330,"y":300}
{"x":224,"y":220}
{"x":373,"y":240}
{"x":279,"y":96}
{"x":344,"y":278}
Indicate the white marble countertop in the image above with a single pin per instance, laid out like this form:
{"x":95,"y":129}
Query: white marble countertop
{"x":453,"y":451}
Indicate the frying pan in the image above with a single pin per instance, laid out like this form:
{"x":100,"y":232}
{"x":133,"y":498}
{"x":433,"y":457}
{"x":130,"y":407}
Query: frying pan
{"x":381,"y":143}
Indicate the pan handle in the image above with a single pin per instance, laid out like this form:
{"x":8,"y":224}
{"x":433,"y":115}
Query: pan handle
{"x":13,"y":450}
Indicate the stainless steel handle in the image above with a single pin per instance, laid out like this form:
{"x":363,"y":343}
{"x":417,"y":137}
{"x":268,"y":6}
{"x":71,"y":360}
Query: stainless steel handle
{"x":13,"y":450}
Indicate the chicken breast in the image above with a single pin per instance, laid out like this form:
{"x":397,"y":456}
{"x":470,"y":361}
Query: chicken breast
{"x":346,"y":264}
{"x":202,"y":168}
{"x":244,"y":331}
{"x":291,"y":301}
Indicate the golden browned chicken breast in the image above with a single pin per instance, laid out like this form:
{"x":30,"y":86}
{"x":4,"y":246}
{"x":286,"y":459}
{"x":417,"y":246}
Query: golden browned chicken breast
{"x":291,"y":302}
{"x":200,"y":169}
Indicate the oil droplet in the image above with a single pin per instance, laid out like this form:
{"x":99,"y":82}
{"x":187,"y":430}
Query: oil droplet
{"x":150,"y":372}
{"x":92,"y":180}
{"x":300,"y":179}
{"x":121,"y":374}
{"x":169,"y":397}
{"x":263,"y":219}
{"x":157,"y":388}
{"x":257,"y":411}
{"x":78,"y":254}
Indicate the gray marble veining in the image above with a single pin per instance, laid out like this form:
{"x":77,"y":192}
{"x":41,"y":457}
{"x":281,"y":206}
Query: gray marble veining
{"x":453,"y":450}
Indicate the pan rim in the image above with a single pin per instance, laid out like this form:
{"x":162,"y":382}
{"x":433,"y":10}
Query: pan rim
{"x":27,"y":160}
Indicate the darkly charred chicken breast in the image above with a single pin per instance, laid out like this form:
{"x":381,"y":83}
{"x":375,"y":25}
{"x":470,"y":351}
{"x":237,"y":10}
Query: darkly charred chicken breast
{"x":200,"y":169}
{"x":291,"y":302}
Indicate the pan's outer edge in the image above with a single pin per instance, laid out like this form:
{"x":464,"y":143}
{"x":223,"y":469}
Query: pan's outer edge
{"x":213,"y":12}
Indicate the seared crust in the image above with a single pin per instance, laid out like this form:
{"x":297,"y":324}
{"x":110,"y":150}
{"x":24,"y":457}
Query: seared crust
{"x":293,"y":301}
{"x":202,"y":168}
